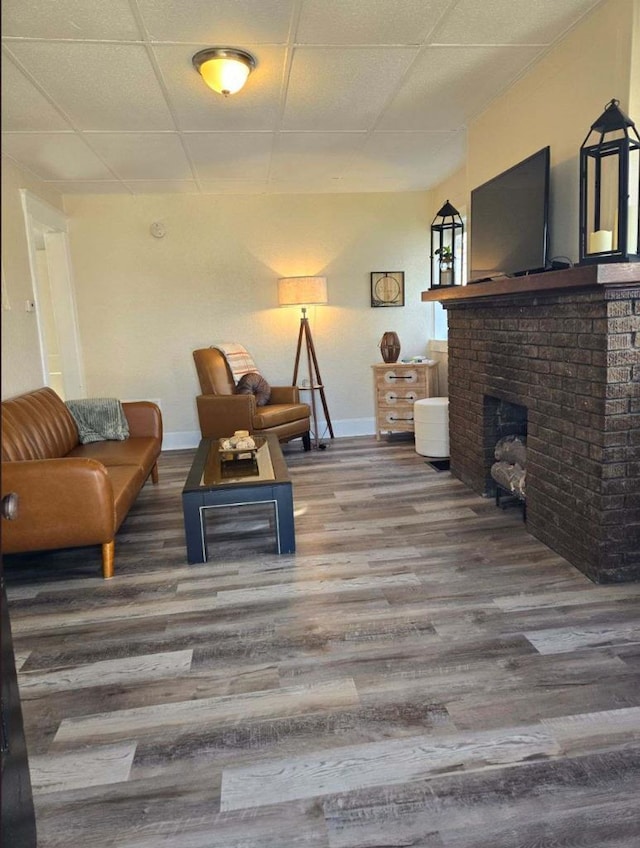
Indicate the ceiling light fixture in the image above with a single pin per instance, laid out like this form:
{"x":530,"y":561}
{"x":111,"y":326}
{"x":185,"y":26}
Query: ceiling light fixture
{"x":224,"y":69}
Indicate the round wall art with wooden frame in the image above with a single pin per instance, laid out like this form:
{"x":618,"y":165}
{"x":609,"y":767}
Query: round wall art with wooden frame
{"x":387,"y":288}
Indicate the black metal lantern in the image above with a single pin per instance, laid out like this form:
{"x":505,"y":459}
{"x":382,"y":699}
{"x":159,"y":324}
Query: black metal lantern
{"x":446,"y":230}
{"x":609,"y":189}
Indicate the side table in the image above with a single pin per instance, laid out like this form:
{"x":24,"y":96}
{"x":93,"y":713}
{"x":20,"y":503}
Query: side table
{"x":315,"y":433}
{"x":397,"y":386}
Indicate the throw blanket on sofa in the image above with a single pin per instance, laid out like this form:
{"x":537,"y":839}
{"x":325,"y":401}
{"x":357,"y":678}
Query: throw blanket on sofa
{"x":99,"y":419}
{"x":238,"y":358}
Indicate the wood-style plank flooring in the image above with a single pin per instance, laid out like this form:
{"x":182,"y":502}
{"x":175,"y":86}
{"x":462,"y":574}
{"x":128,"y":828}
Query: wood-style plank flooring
{"x":422,"y":672}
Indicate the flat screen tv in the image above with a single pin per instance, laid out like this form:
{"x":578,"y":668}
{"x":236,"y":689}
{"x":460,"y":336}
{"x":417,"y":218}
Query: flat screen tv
{"x":510,"y":221}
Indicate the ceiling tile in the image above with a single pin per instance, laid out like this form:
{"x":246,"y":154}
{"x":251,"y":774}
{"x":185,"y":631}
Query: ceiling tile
{"x":344,"y":89}
{"x":163,"y":187}
{"x":233,"y":23}
{"x":449,"y":85}
{"x":196,"y":107}
{"x":510,"y":21}
{"x":23,"y":106}
{"x":314,"y":154}
{"x":230,"y":155}
{"x":55,"y":156}
{"x":142,"y":155}
{"x":347,"y":95}
{"x":368,"y":21}
{"x":100,"y":86}
{"x":89,"y":187}
{"x":79,"y":19}
{"x":418,"y":159}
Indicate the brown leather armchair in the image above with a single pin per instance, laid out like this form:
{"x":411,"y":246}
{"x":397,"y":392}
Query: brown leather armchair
{"x":221,"y":412}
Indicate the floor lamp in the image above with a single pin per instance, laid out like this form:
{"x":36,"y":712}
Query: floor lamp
{"x":304,"y":291}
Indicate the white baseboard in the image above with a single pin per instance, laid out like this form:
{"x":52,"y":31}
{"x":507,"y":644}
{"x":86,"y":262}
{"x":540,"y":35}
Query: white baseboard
{"x":181,"y":440}
{"x":187,"y":439}
{"x":351,"y":427}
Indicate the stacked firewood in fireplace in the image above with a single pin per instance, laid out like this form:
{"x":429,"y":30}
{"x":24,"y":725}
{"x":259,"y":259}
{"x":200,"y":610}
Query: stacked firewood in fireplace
{"x":509,"y":471}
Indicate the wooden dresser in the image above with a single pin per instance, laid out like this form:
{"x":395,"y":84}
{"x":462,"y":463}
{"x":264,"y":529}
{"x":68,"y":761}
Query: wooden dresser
{"x":397,"y":386}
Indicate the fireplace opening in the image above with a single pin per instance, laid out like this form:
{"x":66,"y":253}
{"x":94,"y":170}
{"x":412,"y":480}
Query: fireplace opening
{"x":505,"y":448}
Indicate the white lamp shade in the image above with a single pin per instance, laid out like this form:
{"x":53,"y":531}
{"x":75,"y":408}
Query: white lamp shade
{"x":300,"y":291}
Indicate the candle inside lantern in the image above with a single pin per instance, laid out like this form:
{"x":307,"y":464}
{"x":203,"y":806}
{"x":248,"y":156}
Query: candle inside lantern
{"x":601,"y":241}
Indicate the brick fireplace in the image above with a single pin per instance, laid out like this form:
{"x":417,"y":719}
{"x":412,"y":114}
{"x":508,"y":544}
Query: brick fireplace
{"x":564,"y":347}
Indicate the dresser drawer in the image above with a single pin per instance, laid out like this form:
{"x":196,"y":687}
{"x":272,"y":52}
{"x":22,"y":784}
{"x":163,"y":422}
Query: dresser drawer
{"x":398,"y":394}
{"x":396,"y":418}
{"x":400,"y":377}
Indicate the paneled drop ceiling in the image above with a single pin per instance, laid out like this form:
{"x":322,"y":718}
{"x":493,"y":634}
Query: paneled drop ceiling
{"x":100,"y":96}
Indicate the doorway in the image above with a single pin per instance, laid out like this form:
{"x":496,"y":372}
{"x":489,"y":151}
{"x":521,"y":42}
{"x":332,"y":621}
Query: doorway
{"x":54,"y":298}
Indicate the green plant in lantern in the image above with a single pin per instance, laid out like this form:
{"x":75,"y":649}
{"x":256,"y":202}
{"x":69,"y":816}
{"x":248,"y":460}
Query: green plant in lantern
{"x":445,"y":261}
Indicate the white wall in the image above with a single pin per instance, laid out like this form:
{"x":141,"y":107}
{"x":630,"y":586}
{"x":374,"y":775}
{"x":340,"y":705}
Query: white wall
{"x":146,"y":303}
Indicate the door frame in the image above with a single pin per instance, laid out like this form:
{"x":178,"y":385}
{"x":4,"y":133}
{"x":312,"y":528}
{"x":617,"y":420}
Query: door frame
{"x":44,"y":220}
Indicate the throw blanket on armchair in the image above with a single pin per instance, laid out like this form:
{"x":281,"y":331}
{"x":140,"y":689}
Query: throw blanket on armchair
{"x":99,"y":419}
{"x":238,"y":358}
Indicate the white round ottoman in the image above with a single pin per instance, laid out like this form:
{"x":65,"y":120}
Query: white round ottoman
{"x":431,"y":422}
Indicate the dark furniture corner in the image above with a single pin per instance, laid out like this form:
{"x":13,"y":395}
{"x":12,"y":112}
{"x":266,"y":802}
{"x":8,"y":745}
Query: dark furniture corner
{"x":18,"y":822}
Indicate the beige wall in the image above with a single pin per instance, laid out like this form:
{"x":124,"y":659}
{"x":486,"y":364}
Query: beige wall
{"x":555,"y":104}
{"x":21,"y":363}
{"x":144,"y":303}
{"x":634,"y":89}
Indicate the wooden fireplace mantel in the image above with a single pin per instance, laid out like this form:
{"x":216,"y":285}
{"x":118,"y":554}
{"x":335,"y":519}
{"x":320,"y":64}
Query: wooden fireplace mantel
{"x":580,"y":276}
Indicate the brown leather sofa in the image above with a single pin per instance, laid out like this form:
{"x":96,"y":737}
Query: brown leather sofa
{"x":221,"y":412}
{"x":70,"y":494}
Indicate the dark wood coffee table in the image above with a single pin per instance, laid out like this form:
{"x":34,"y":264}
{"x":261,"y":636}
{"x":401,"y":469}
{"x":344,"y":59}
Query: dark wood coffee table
{"x":213,"y":483}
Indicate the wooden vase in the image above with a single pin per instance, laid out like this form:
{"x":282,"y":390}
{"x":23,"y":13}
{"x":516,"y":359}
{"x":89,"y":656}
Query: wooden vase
{"x":390,"y":347}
